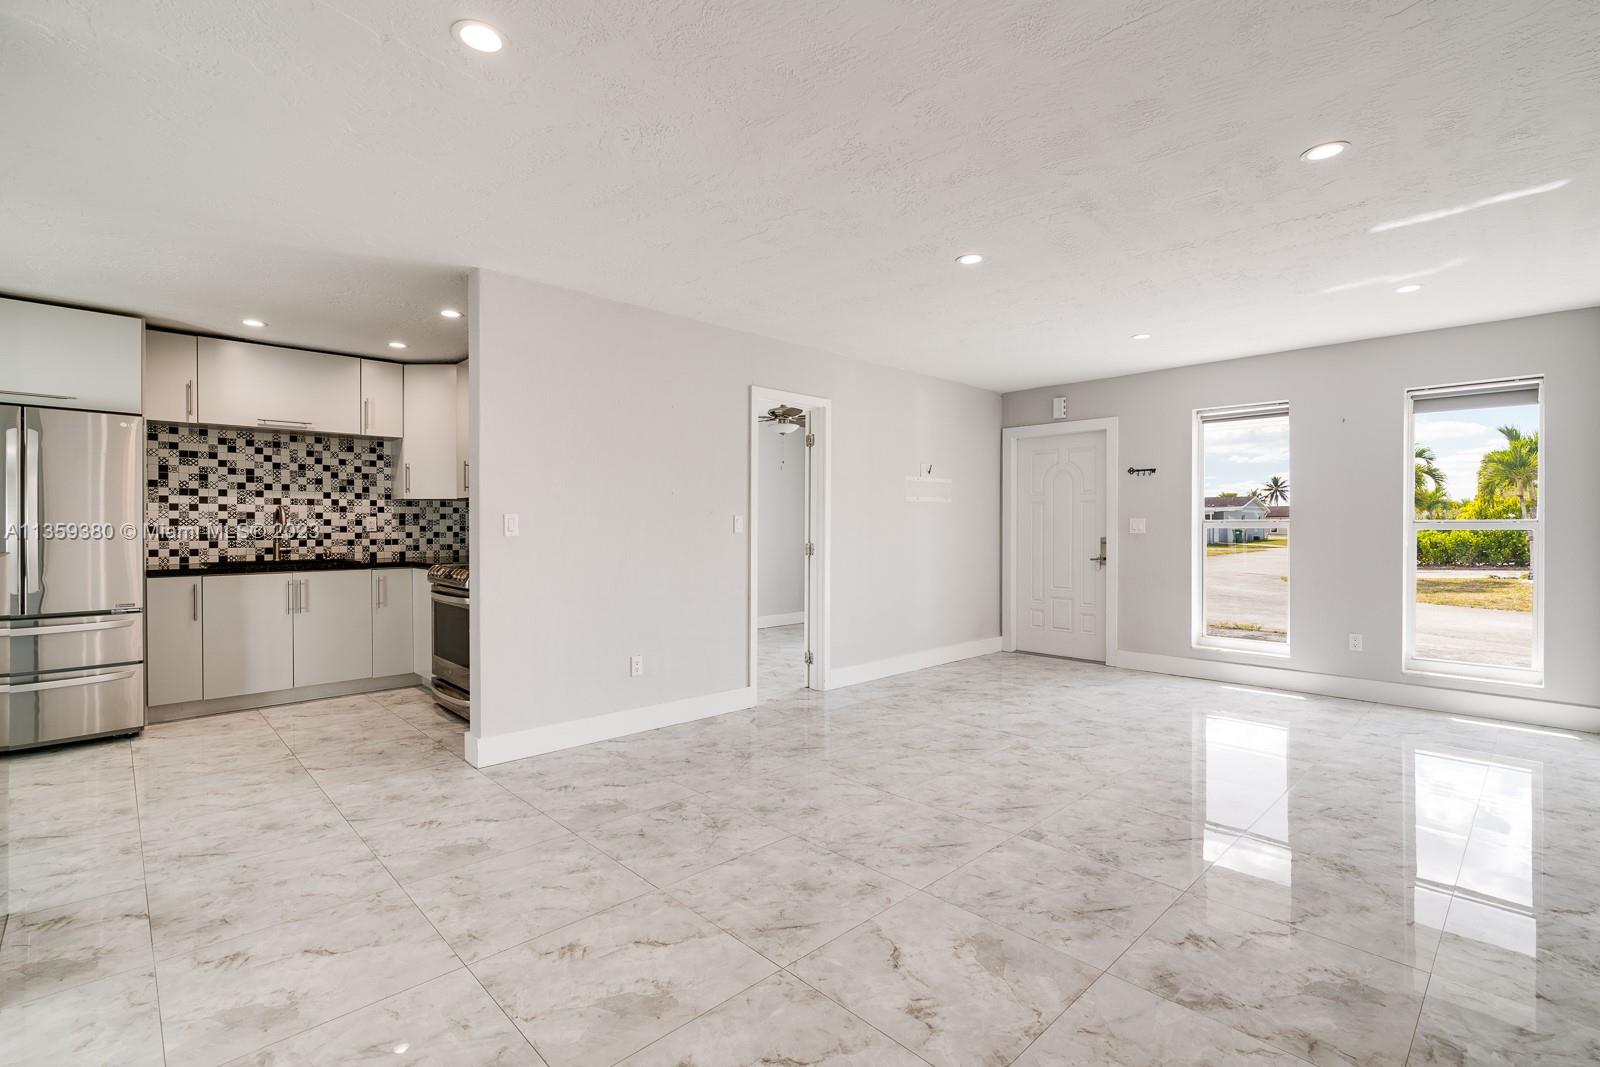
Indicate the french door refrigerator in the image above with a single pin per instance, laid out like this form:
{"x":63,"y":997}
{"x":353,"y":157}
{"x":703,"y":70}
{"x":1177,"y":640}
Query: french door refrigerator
{"x":71,"y":575}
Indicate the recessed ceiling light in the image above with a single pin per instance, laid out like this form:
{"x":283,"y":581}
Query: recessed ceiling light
{"x":1318,"y":152}
{"x":450,"y":313}
{"x":1408,"y":288}
{"x":477,"y":35}
{"x":1141,"y":337}
{"x":397,"y":344}
{"x":254,"y":324}
{"x":971,"y":259}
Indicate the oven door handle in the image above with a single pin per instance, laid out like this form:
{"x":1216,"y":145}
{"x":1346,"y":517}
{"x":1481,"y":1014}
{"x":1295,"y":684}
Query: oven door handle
{"x":452,"y":601}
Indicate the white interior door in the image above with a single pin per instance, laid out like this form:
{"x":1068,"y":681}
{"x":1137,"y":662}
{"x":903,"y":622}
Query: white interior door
{"x":1060,"y":525}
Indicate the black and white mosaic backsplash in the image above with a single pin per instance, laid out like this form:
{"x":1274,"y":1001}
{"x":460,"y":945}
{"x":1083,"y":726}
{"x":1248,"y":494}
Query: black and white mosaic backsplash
{"x":207,"y":485}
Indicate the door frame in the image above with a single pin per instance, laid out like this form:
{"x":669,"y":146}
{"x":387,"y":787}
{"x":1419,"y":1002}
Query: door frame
{"x":819,"y":496}
{"x":1008,"y":533}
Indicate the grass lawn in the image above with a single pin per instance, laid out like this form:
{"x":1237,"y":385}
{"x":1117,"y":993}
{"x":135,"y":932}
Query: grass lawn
{"x":1503,"y":594}
{"x":1250,"y":546}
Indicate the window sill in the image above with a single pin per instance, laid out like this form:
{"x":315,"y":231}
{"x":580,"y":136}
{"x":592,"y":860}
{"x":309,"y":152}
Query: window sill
{"x":1460,"y":673}
{"x":1241,"y":648}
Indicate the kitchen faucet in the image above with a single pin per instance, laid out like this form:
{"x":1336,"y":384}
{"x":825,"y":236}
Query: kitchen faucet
{"x":277,"y":535}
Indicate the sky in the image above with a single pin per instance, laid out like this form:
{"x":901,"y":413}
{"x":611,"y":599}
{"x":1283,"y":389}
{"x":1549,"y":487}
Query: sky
{"x":1460,"y":438}
{"x":1242,"y":455}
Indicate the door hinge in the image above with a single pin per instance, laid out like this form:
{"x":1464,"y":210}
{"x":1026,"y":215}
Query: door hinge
{"x":809,"y":660}
{"x":811,"y":440}
{"x":811,"y":549}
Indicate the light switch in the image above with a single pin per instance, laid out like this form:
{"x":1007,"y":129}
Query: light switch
{"x":738,"y":524}
{"x":513,"y":528}
{"x":1137,"y":525}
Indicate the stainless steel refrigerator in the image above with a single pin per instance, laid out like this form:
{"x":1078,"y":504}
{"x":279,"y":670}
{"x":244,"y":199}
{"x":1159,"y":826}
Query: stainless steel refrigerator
{"x":71,"y":575}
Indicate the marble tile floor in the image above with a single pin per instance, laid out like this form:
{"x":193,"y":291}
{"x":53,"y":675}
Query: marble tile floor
{"x":1004,"y":860}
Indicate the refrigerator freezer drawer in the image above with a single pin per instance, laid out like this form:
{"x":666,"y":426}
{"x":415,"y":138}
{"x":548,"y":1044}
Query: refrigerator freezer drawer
{"x":47,"y":708}
{"x":28,"y":646}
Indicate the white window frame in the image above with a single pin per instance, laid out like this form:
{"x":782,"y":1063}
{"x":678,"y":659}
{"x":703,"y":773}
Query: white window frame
{"x":1198,"y":638}
{"x":1410,"y":662}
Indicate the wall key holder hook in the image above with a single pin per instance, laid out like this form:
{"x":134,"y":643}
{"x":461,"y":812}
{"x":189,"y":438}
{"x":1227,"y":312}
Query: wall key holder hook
{"x":1141,"y":471}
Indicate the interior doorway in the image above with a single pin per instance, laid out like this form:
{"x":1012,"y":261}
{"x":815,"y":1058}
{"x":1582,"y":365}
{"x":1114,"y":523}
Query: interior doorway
{"x":788,"y":543}
{"x":1060,"y":544}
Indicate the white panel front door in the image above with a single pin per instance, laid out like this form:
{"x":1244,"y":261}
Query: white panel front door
{"x":1060,"y":521}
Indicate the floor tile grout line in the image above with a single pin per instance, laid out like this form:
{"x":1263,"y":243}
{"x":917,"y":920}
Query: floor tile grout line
{"x":149,"y":920}
{"x":1427,"y":986}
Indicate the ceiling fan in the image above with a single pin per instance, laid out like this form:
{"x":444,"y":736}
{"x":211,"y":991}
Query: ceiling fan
{"x":788,"y":419}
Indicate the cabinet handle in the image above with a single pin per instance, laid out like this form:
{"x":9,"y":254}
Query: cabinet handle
{"x":283,"y":422}
{"x":408,"y":478}
{"x":47,"y":396}
{"x":194,"y":601}
{"x":288,"y":587}
{"x":188,"y":399}
{"x":466,"y":475}
{"x":305,"y":594}
{"x":366,"y":414}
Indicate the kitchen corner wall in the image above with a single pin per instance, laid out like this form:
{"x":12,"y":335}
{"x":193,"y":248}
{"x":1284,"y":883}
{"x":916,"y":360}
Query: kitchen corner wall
{"x":621,"y":437}
{"x":199,"y":478}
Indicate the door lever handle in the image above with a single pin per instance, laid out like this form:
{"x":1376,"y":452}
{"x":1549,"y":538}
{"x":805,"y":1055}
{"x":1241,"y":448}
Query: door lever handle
{"x":1101,"y":558}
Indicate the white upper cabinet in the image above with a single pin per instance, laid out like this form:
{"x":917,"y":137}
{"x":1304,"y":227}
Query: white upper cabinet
{"x":171,"y":377}
{"x":243,"y":384}
{"x":383,"y":388}
{"x":428,"y":467}
{"x":463,"y":436}
{"x":65,"y":358}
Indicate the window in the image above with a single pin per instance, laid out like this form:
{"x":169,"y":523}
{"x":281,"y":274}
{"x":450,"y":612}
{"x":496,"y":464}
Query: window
{"x":1242,"y":594}
{"x":1474,"y":575}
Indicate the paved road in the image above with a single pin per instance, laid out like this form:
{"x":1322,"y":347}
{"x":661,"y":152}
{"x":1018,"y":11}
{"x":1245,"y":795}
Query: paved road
{"x":1249,"y":588}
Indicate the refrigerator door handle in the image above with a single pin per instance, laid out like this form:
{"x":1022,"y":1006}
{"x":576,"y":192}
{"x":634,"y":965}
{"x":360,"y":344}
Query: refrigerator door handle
{"x":75,"y":628}
{"x":13,"y":517}
{"x":66,"y":683}
{"x":30,"y":509}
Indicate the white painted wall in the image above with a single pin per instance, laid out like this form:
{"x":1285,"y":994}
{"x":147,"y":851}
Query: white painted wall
{"x":621,"y":437}
{"x":780,"y":563}
{"x":1348,"y":468}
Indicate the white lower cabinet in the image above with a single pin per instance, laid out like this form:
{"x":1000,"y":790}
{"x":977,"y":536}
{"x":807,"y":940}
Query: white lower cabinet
{"x":332,"y":627}
{"x":173,"y":640}
{"x":391,"y":622}
{"x":249,"y":633}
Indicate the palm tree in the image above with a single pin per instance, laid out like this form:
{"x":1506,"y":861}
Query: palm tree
{"x":1429,"y":495}
{"x":1276,"y":491}
{"x":1512,"y":470}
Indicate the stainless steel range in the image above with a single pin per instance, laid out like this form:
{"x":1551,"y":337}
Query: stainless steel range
{"x":452,"y":658}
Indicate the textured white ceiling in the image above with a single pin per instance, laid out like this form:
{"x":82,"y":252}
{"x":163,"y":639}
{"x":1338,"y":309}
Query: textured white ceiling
{"x":810,"y":170}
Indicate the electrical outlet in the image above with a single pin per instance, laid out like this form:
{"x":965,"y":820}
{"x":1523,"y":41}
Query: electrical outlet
{"x":635,"y":666}
{"x":1355,"y":642}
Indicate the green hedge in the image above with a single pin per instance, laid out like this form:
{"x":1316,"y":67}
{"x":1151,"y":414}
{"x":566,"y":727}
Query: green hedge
{"x":1472,"y":548}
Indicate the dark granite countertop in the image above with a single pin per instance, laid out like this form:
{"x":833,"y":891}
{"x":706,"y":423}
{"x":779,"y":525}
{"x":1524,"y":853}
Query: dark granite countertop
{"x":270,"y":566}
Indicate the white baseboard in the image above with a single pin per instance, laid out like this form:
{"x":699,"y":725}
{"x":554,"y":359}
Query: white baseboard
{"x":503,"y":748}
{"x":839,"y":677}
{"x":1428,"y":697}
{"x":764,"y":621}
